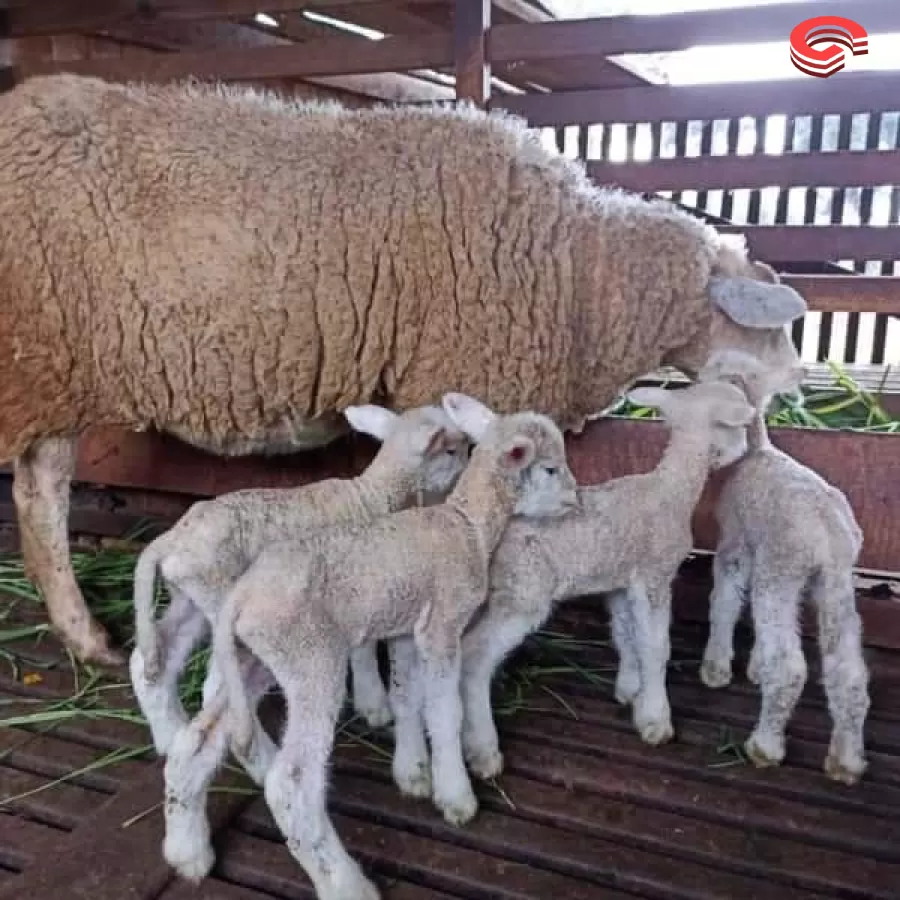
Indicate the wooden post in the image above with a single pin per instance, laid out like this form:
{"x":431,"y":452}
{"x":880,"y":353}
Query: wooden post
{"x":7,"y":78}
{"x":472,"y":21}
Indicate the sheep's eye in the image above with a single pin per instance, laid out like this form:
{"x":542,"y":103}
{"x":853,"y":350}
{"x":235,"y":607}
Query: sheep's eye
{"x":550,"y":470}
{"x":451,"y":451}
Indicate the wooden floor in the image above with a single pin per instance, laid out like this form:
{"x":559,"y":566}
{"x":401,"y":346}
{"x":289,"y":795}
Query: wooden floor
{"x":584,"y":811}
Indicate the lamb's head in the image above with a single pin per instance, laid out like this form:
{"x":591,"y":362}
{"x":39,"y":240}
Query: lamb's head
{"x":714,"y":412}
{"x":750,"y":310}
{"x":422,"y":443}
{"x":525,"y":450}
{"x":758,"y":382}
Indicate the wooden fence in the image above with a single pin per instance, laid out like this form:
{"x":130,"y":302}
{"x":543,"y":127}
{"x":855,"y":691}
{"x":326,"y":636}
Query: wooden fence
{"x":825,"y":212}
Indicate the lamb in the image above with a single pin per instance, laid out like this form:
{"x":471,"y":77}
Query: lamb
{"x":627,"y":537}
{"x":206,"y":551}
{"x":235,"y":269}
{"x":786,"y":535}
{"x":414,"y":577}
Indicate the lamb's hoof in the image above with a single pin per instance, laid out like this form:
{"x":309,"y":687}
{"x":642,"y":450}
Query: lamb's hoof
{"x":764,"y":754}
{"x":193,"y":867}
{"x":376,"y":716}
{"x":714,"y":674}
{"x":415,"y":782}
{"x":459,"y":810}
{"x":90,"y":645}
{"x":656,"y":733}
{"x":485,"y":764}
{"x":627,"y":688}
{"x":845,"y":771}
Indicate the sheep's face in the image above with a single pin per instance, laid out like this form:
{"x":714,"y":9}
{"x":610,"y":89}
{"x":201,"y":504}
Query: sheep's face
{"x":444,"y":454}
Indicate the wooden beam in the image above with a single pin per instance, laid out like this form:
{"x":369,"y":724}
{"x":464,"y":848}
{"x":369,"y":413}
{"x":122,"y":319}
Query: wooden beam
{"x":329,"y":57}
{"x":676,"y":31}
{"x":851,"y":93}
{"x":848,"y":293}
{"x":471,"y":23}
{"x":7,"y":75}
{"x":845,"y":168}
{"x":815,"y":243}
{"x":44,"y":17}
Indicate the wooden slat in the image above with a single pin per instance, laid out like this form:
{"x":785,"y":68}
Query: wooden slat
{"x":332,"y":56}
{"x":813,"y":243}
{"x":43,"y":17}
{"x":471,"y":66}
{"x":851,"y":93}
{"x":849,"y":293}
{"x":845,"y":168}
{"x":677,"y":31}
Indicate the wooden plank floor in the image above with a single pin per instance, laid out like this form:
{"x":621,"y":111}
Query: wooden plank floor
{"x":584,"y":811}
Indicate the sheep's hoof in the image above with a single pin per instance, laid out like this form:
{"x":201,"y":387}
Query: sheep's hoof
{"x":656,"y":733}
{"x":93,"y":648}
{"x":761,"y":755}
{"x":715,"y":674}
{"x":628,"y":686}
{"x":415,"y":783}
{"x":485,"y":764}
{"x":193,"y":867}
{"x":378,"y":715}
{"x":460,"y":810}
{"x":846,"y":771}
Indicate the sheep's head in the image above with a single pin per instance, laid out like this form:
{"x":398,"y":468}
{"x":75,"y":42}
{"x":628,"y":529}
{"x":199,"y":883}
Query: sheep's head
{"x":750,"y":310}
{"x":423,"y":443}
{"x":527,"y":451}
{"x":716,"y":409}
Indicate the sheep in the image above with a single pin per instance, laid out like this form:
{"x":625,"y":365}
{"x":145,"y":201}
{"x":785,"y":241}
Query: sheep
{"x":414,"y":577}
{"x":627,"y":538}
{"x":786,"y":535}
{"x":206,"y":551}
{"x":234,"y":269}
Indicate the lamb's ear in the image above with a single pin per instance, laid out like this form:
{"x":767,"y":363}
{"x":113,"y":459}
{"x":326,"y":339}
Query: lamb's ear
{"x":654,"y":397}
{"x":468,"y":414}
{"x":756,"y":304}
{"x":519,"y":453}
{"x":437,"y":441}
{"x":370,"y":419}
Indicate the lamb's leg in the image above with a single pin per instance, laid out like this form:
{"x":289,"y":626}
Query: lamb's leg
{"x":370,"y":700}
{"x":42,"y":479}
{"x":652,"y":714}
{"x":489,"y":641}
{"x":622,"y":630}
{"x":782,"y":667}
{"x":411,"y":763}
{"x":195,"y":755}
{"x":295,"y":786}
{"x":844,"y":675}
{"x":179,"y":630}
{"x":441,"y":662}
{"x":731,"y":576}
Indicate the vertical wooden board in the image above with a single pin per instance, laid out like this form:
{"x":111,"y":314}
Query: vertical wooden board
{"x":473,"y":69}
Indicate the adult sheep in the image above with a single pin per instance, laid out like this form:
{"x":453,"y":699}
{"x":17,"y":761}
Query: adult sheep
{"x":235,"y":269}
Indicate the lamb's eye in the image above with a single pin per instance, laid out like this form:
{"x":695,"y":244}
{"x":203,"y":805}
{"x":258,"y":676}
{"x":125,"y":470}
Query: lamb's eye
{"x":550,"y":470}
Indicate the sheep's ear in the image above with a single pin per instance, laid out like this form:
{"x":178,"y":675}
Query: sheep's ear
{"x":468,"y":414}
{"x":519,"y":453}
{"x":649,"y":396}
{"x":437,"y":441}
{"x":756,"y":304}
{"x":370,"y":419}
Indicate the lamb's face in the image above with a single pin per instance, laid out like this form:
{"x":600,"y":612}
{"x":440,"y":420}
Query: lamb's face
{"x":444,"y":454}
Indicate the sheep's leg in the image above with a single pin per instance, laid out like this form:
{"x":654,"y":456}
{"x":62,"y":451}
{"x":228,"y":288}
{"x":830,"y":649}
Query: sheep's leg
{"x":179,"y":630}
{"x":622,"y":630}
{"x":195,"y":755}
{"x":296,"y":787}
{"x":844,"y":675}
{"x":411,"y":764}
{"x":42,"y":479}
{"x":490,"y":640}
{"x":782,"y":668}
{"x":441,"y":667}
{"x":652,"y":714}
{"x":731,"y":577}
{"x":370,"y":700}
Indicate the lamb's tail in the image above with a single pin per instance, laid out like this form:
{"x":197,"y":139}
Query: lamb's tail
{"x":144,"y":606}
{"x":225,"y":656}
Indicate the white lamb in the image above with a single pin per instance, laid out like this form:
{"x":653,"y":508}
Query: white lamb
{"x":786,"y":535}
{"x":204,"y":553}
{"x":628,"y":537}
{"x":417,"y":576}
